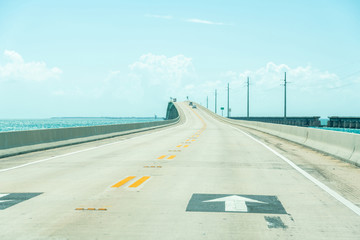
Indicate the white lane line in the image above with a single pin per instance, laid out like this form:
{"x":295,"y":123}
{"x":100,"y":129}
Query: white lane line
{"x":87,"y":149}
{"x":337,"y":196}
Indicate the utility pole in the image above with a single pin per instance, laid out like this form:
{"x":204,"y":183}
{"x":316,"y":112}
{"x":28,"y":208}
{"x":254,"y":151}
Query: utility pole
{"x":207,"y":101}
{"x":285,"y":96}
{"x":228,"y":101}
{"x":215,"y":99}
{"x":248,"y":97}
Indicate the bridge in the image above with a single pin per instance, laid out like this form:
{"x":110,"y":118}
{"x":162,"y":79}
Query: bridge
{"x":194,"y":176}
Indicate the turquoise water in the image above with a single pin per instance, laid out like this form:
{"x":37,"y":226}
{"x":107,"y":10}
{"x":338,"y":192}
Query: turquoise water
{"x":349,"y":130}
{"x":324,"y":122}
{"x":7,"y":125}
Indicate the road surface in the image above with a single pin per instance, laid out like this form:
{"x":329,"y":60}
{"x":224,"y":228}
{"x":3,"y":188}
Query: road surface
{"x":201,"y":179}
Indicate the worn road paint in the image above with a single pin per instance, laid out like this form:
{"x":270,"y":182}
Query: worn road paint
{"x":122,"y":182}
{"x":91,"y":209}
{"x":178,"y":145}
{"x":9,"y":199}
{"x":139,"y":182}
{"x":275,"y":222}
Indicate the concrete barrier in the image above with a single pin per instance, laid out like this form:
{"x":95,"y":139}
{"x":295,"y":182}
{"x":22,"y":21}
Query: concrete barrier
{"x":18,"y":142}
{"x":345,"y":146}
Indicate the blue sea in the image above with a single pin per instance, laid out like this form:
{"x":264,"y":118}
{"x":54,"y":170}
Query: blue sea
{"x":324,"y":122}
{"x":349,"y":130}
{"x":7,"y":125}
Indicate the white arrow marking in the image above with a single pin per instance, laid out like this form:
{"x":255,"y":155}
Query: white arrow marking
{"x":3,"y":195}
{"x":235,"y":203}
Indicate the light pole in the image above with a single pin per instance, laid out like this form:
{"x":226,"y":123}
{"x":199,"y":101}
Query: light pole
{"x":248,"y":97}
{"x":285,"y":96}
{"x":228,"y":101}
{"x":215,"y":100}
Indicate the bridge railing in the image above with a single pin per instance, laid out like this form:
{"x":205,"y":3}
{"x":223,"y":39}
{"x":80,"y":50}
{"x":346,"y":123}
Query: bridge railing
{"x":345,"y":146}
{"x":19,"y":142}
{"x":294,"y":121}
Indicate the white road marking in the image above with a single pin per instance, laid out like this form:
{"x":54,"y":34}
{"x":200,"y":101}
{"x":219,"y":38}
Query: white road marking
{"x":334,"y":194}
{"x":235,"y":203}
{"x":85,"y":150}
{"x":4,"y":195}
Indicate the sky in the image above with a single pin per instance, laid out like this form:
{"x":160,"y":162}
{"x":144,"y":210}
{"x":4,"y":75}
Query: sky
{"x":128,"y":58}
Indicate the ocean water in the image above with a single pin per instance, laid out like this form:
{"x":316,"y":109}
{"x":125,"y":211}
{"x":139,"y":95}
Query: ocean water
{"x":349,"y":130}
{"x":7,"y":125}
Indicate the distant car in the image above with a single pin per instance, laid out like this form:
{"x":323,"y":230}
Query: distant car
{"x":194,"y":106}
{"x":174,"y":99}
{"x":190,"y":103}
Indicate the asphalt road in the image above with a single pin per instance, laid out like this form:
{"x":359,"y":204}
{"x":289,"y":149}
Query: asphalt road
{"x":201,"y":179}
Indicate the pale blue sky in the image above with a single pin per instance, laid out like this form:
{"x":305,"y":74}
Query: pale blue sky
{"x":127,"y":58}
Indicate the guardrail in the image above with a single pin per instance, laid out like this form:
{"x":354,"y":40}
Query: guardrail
{"x":19,"y":142}
{"x":295,"y":121}
{"x":345,"y":146}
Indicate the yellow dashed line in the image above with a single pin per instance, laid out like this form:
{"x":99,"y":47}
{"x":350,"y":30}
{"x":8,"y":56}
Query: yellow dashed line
{"x":122,"y":182}
{"x":185,"y":146}
{"x":139,"y":182}
{"x":91,"y":209}
{"x":161,"y":157}
{"x":178,"y":145}
{"x":171,"y":157}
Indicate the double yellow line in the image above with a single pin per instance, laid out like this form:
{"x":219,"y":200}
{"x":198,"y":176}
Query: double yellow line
{"x":127,"y":179}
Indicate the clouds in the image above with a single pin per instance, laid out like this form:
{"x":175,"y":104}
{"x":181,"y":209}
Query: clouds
{"x":159,"y":69}
{"x":151,"y":80}
{"x":311,"y":91}
{"x":195,"y":20}
{"x":16,"y":68}
{"x":189,"y":20}
{"x":303,"y":78}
